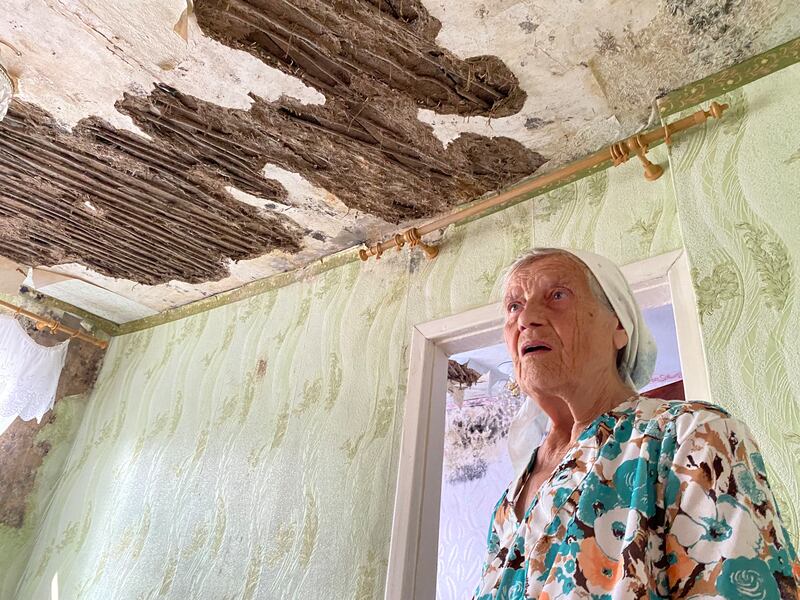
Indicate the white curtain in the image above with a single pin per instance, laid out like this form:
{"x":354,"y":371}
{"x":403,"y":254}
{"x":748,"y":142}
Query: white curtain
{"x":29,"y":373}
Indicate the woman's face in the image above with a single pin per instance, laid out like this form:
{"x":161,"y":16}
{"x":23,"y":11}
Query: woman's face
{"x":557,"y":332}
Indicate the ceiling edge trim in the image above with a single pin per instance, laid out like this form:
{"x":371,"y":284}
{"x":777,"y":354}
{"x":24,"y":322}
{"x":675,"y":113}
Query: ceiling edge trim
{"x":731,"y":78}
{"x":244,"y":292}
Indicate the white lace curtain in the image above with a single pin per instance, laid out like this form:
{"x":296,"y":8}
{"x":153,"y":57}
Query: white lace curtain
{"x":29,"y":373}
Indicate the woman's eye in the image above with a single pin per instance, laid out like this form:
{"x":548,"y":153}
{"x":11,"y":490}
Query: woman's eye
{"x":513,"y":307}
{"x":559,"y":295}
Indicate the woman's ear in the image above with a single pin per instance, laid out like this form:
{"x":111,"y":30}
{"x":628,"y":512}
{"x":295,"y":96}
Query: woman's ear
{"x":620,"y":336}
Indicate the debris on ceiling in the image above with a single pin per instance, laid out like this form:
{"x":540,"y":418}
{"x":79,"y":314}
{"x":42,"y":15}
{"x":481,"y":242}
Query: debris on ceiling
{"x":163,"y":168}
{"x":153,"y":210}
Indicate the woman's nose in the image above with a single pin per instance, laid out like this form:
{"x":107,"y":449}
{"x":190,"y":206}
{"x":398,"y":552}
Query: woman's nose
{"x":529,"y":316}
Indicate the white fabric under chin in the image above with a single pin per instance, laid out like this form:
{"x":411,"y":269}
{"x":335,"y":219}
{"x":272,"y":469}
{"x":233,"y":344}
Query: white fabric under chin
{"x":526,"y":432}
{"x":29,"y":373}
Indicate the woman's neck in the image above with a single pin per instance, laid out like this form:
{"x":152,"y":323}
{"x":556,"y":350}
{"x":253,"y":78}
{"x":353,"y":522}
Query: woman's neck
{"x":571,"y":413}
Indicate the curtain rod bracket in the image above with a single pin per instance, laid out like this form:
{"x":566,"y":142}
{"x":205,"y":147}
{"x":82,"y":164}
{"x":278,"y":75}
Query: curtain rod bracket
{"x":621,"y":151}
{"x":414,"y":238}
{"x":640,"y":148}
{"x":411,"y":237}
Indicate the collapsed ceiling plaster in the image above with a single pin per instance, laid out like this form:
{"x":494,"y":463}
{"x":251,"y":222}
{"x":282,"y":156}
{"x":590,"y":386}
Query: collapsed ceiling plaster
{"x":155,"y":210}
{"x":126,"y":206}
{"x":313,"y":127}
{"x":359,"y":49}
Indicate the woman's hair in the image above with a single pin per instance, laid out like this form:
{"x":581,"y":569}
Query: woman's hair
{"x":537,"y":253}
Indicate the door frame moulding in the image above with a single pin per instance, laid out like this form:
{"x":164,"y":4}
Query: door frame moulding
{"x":413,"y":551}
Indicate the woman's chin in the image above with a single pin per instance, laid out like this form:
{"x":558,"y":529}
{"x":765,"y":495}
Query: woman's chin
{"x":543,"y":385}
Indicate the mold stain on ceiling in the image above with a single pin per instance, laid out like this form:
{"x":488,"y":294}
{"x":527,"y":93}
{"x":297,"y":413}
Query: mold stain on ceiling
{"x":165,"y":169}
{"x":592,"y":69}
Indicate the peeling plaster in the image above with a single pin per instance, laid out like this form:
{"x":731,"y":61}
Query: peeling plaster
{"x":131,"y":44}
{"x":355,"y":49}
{"x":588,"y":72}
{"x":159,"y":211}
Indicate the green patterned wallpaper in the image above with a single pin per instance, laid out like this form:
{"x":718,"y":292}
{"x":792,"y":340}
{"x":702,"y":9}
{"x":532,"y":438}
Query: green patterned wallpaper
{"x":250,"y":451}
{"x":616,"y":213}
{"x":227,"y":455}
{"x":738,"y":191}
{"x":16,"y":545}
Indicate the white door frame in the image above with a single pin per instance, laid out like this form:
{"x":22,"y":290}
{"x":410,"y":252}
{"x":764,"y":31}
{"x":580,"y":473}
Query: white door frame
{"x":413,"y":549}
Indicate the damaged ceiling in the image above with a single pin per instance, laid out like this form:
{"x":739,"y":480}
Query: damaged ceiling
{"x":163,"y":168}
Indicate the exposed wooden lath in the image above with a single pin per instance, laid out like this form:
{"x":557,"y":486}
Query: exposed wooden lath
{"x":125,"y":206}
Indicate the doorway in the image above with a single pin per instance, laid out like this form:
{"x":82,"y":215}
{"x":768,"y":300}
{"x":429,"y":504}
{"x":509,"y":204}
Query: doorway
{"x":461,"y":397}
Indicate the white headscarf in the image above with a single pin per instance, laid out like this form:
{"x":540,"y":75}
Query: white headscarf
{"x":638,"y":361}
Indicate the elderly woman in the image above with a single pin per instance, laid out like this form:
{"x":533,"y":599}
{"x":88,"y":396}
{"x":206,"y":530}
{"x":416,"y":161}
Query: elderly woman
{"x":626,"y":497}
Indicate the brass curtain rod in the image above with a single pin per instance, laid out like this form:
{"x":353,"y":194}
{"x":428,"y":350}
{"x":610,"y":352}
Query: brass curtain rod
{"x":617,"y":153}
{"x":53,"y":325}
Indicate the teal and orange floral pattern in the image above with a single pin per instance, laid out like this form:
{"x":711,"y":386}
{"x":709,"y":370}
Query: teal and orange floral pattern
{"x":657,"y":499}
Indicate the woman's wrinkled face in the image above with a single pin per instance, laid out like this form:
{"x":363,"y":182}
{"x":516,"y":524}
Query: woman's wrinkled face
{"x":557,"y":332}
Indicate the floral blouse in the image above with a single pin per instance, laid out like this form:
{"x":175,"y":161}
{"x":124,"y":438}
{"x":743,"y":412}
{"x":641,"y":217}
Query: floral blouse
{"x":657,"y":499}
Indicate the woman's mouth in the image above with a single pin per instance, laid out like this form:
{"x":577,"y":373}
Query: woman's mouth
{"x":535,"y":348}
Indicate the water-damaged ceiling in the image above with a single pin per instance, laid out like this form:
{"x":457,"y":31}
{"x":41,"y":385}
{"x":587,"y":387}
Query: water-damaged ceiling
{"x":165,"y":154}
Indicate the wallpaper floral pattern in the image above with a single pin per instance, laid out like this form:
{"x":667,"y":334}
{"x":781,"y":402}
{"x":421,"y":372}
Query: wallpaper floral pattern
{"x":737,"y":187}
{"x":250,"y":451}
{"x":16,"y":544}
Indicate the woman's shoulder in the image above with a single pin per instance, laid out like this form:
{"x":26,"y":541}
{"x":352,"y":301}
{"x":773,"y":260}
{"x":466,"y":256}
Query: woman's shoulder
{"x":685,"y":416}
{"x":655,"y":407}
